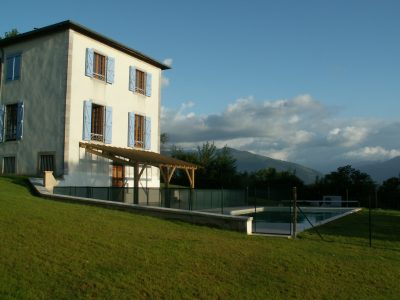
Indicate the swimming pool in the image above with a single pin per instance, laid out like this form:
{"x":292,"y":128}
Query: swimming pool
{"x":278,"y":220}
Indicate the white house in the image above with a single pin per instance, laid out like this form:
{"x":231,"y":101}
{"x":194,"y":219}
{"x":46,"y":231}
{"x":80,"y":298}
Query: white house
{"x":70,"y":98}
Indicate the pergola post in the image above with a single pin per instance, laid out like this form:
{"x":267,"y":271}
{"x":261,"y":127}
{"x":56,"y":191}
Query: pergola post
{"x":136,"y":177}
{"x":132,"y":157}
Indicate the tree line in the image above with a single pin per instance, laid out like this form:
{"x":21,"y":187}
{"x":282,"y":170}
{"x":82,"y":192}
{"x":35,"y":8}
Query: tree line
{"x":217,"y":169}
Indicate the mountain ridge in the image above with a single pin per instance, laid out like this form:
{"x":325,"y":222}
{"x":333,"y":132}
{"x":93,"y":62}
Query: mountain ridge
{"x":382,"y":170}
{"x":250,"y":162}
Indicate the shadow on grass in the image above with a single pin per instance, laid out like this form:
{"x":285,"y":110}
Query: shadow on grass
{"x":354,"y":229}
{"x":22,"y":181}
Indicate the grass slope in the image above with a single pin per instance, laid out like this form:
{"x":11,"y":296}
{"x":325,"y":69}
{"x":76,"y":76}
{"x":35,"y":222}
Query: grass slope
{"x":62,"y":251}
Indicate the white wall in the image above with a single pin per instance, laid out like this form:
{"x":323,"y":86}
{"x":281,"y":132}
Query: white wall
{"x":84,"y":169}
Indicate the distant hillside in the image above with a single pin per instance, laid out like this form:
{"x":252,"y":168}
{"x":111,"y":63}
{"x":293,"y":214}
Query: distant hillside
{"x":380,"y":171}
{"x":246,"y":161}
{"x":250,"y":162}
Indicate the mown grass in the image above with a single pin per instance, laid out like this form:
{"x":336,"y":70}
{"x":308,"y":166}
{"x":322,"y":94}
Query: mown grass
{"x":58,"y":250}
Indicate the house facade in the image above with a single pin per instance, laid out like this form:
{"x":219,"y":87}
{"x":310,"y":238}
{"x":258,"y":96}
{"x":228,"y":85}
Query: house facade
{"x":64,"y":84}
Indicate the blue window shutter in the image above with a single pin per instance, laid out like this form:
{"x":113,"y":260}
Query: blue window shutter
{"x":89,"y":62}
{"x":2,"y":111}
{"x":147,"y":141}
{"x":148,"y":84}
{"x":10,"y":68}
{"x":132,"y":78}
{"x":20,"y":120}
{"x":108,"y":129}
{"x":131,"y":129}
{"x":110,"y":69}
{"x":87,"y":120}
{"x":17,"y":67}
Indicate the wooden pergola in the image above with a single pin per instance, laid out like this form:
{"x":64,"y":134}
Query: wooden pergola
{"x":139,"y":160}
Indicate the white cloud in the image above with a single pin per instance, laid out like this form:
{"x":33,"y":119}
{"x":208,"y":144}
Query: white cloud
{"x":347,"y":136}
{"x":301,"y":129}
{"x":373,"y":153}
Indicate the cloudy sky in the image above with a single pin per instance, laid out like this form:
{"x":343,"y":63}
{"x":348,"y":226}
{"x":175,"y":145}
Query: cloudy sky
{"x":315,"y":82}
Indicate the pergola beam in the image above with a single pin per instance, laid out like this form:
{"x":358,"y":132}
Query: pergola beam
{"x":135,"y":158}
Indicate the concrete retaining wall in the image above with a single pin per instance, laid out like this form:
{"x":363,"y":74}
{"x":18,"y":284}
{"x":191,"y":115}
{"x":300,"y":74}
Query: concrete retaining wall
{"x":235,"y":223}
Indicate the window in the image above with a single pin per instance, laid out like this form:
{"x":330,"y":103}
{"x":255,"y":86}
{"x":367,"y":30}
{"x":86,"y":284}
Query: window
{"x":118,"y":175}
{"x":99,"y":66}
{"x":9,"y":165}
{"x":97,"y":122}
{"x":11,"y":122}
{"x":139,"y":81}
{"x":13,"y":67}
{"x":139,"y":131}
{"x":46,"y":163}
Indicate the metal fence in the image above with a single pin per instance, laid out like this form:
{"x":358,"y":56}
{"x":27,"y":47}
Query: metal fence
{"x":272,"y":209}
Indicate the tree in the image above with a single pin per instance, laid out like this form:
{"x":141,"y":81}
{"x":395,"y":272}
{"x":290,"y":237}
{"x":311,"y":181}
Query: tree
{"x":217,"y":168}
{"x":349,"y":183}
{"x":164,"y":138}
{"x":11,"y":33}
{"x":389,"y":193}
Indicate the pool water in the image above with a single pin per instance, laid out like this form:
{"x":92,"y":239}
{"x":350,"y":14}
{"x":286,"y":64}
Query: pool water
{"x":280,"y":221}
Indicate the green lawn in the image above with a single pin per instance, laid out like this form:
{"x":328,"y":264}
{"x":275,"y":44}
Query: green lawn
{"x":59,"y":250}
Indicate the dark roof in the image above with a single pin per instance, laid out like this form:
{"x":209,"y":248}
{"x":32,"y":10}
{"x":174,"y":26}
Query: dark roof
{"x":139,"y":156}
{"x":86,"y":31}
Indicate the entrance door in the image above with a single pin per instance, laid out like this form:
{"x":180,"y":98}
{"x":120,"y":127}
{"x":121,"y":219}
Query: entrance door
{"x":118,"y":177}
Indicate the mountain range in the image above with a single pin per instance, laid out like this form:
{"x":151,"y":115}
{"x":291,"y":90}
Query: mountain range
{"x":380,"y":171}
{"x":250,"y":162}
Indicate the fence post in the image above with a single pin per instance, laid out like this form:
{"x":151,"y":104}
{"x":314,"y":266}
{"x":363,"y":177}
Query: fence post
{"x":369,"y":221}
{"x":255,"y":209}
{"x":247,"y":195}
{"x":222,"y":200}
{"x":294,"y":221}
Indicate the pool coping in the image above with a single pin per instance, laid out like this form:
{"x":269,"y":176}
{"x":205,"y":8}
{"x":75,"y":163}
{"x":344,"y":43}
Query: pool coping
{"x":299,"y":227}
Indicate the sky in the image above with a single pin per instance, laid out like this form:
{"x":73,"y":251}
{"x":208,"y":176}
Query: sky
{"x":312,"y":82}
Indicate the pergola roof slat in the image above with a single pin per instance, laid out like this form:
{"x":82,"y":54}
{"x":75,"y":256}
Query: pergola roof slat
{"x":138,"y":156}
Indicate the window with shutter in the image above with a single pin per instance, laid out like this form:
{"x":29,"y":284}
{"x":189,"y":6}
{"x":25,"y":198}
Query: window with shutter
{"x":99,"y":66}
{"x":139,"y":131}
{"x":97,"y":128}
{"x":11,"y":122}
{"x":139,"y":81}
{"x":97,"y":123}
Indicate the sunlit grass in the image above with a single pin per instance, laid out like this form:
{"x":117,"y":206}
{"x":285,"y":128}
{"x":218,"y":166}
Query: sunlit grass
{"x":58,"y":250}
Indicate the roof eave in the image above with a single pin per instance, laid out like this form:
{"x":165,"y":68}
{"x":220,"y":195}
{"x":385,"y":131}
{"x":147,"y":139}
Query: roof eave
{"x":65,"y":25}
